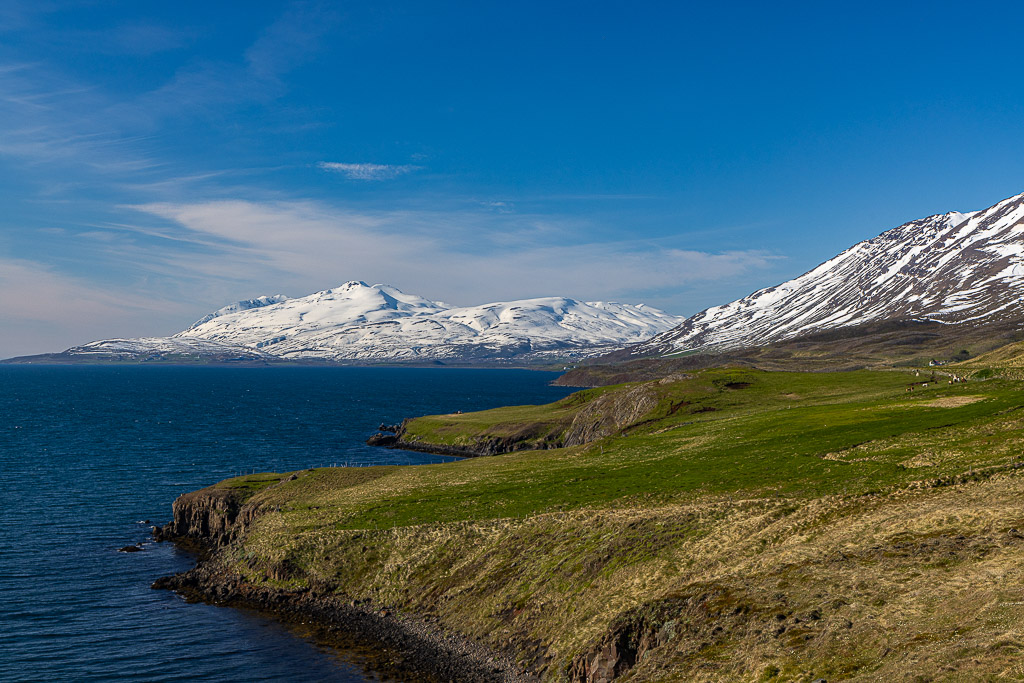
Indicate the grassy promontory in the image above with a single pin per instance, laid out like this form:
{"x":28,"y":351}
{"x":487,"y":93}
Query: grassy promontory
{"x":726,"y":524}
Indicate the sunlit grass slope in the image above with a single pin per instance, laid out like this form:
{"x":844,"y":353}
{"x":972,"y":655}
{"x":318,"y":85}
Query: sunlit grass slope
{"x":732,"y":431}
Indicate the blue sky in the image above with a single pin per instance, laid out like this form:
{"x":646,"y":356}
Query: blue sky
{"x":159,"y":160}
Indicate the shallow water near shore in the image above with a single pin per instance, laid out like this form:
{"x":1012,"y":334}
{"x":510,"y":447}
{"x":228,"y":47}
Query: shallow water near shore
{"x":88,"y":454}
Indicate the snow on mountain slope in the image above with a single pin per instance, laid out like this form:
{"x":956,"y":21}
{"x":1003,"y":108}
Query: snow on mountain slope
{"x":359,"y":322}
{"x":163,"y":348}
{"x":258,"y":302}
{"x":949,"y":268}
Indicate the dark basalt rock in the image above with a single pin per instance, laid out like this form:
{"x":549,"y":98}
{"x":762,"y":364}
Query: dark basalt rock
{"x":383,"y":440}
{"x":130,"y":549}
{"x":483,"y":447}
{"x":395,"y":645}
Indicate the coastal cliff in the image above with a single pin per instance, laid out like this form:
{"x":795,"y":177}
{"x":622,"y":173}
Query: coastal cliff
{"x":209,"y":517}
{"x":578,"y":420}
{"x":382,"y":639}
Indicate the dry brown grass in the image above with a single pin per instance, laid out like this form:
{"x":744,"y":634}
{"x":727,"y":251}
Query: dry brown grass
{"x":945,"y":402}
{"x":915,"y":584}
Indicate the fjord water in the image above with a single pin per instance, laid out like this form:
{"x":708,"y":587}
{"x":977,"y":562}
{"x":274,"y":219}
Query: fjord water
{"x":88,"y":454}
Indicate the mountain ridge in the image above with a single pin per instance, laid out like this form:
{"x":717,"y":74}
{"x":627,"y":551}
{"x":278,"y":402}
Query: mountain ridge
{"x":366,"y":324}
{"x":948,"y":268}
{"x":243,"y":305}
{"x":360,"y":322}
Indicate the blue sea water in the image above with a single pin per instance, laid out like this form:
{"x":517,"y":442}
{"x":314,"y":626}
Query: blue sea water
{"x":88,"y":454}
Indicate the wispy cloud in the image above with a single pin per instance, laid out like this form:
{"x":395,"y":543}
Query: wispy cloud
{"x":65,"y":310}
{"x":49,"y":116}
{"x":50,"y":119}
{"x":177,"y":260}
{"x":304,"y":246}
{"x":16,"y":15}
{"x":291,"y":40}
{"x":207,"y":86}
{"x":500,"y":207}
{"x":367,"y":171}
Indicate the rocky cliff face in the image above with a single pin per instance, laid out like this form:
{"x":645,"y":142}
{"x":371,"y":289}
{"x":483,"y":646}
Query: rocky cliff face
{"x":610,"y":414}
{"x":641,"y":631}
{"x":387,"y":644}
{"x":540,"y":438}
{"x":604,"y":416}
{"x":211,"y":517}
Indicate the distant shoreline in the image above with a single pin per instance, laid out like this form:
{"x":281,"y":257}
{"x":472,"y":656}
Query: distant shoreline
{"x":57,"y":359}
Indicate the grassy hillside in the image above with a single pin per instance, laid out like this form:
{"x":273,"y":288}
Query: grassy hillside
{"x":878,"y":345}
{"x":1009,"y":356}
{"x":739,"y":525}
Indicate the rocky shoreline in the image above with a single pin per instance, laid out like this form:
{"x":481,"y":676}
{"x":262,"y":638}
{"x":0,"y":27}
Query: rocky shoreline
{"x":394,"y":437}
{"x":384,"y":641}
{"x":484,"y":448}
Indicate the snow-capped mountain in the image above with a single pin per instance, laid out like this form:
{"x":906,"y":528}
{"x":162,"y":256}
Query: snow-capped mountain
{"x":360,"y":322}
{"x":357,"y":322}
{"x":949,"y":268}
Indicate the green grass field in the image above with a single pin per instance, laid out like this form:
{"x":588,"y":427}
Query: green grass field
{"x":733,"y":483}
{"x":742,"y":432}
